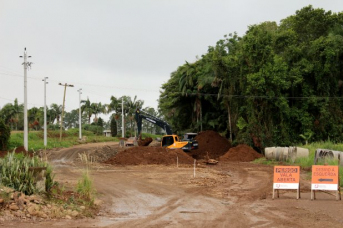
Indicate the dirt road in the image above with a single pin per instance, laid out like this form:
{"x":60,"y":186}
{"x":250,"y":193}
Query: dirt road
{"x":229,"y":194}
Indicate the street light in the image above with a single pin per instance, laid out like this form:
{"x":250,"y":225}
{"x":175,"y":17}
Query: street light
{"x":45,"y":128}
{"x":80,"y":133}
{"x":26,"y":132}
{"x":64,"y":97}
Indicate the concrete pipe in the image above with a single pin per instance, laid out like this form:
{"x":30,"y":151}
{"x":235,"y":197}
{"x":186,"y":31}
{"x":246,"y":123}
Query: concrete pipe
{"x":302,"y":152}
{"x":322,"y":154}
{"x":276,"y":153}
{"x":285,"y":153}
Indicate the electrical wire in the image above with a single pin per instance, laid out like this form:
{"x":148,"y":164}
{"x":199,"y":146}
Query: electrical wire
{"x":80,"y":84}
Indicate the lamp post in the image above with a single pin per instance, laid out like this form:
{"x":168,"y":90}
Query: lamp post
{"x":26,"y":64}
{"x":80,"y":133}
{"x":45,"y":127}
{"x":122,"y":118}
{"x":64,"y":97}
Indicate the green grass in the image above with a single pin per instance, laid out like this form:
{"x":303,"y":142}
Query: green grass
{"x":70,"y":138}
{"x":85,"y":187}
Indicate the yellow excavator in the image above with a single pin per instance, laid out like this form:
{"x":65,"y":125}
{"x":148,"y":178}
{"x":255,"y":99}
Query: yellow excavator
{"x":170,"y":140}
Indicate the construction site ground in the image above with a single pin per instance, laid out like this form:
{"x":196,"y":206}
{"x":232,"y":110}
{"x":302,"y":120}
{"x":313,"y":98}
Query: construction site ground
{"x":229,"y":194}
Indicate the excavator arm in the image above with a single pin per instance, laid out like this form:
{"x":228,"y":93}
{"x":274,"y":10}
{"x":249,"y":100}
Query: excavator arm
{"x":152,"y":119}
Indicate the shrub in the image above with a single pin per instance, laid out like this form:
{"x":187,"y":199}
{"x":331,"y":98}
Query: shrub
{"x":93,"y":128}
{"x":16,"y":173}
{"x":85,"y":187}
{"x":5,"y":133}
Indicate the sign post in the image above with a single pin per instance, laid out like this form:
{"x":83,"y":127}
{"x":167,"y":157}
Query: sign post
{"x":286,"y":177}
{"x":325,"y":177}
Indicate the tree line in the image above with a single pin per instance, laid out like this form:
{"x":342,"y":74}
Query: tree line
{"x":13,"y":115}
{"x":277,"y":85}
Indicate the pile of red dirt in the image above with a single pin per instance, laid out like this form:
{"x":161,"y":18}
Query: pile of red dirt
{"x":212,"y":143}
{"x":242,"y":153}
{"x":144,"y":142}
{"x":150,"y":156}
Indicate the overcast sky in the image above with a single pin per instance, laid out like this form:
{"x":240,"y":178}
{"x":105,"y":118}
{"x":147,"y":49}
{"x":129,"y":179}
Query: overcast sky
{"x":118,"y":47}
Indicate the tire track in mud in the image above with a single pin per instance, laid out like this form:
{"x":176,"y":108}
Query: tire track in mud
{"x":180,"y":206}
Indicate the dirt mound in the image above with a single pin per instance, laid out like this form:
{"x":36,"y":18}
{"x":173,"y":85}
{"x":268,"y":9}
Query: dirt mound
{"x":211,"y":142}
{"x":98,"y":152}
{"x":144,"y":142}
{"x":242,"y":153}
{"x":150,"y":155}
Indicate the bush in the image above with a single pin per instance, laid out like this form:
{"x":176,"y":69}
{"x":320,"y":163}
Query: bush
{"x":53,"y":127}
{"x":85,"y":187}
{"x":5,"y":134}
{"x":93,"y":128}
{"x":16,"y":173}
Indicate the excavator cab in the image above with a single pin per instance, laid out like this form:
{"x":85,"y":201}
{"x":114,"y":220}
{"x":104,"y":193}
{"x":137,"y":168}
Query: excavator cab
{"x":172,"y":142}
{"x":167,"y":140}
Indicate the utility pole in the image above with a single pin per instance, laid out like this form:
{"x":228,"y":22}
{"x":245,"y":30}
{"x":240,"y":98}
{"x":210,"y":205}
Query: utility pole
{"x":122,"y":118}
{"x":64,"y":98}
{"x":26,"y":65}
{"x":80,"y":133}
{"x":45,"y":127}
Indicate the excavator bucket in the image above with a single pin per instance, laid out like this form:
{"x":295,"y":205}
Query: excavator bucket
{"x":144,"y":142}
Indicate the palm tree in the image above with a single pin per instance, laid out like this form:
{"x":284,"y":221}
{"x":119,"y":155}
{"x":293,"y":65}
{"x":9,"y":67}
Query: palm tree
{"x":98,"y":108}
{"x":88,"y":108}
{"x":133,"y":105}
{"x":189,"y":80}
{"x":55,"y":112}
{"x":114,"y":106}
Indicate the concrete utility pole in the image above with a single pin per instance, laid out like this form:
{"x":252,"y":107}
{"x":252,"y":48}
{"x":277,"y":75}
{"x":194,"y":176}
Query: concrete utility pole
{"x":64,"y":98}
{"x":26,"y":65}
{"x":45,"y":127}
{"x":122,"y":118}
{"x":80,"y":133}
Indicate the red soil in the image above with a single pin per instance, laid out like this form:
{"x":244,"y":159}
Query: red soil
{"x":212,"y":143}
{"x":142,"y":155}
{"x":144,"y":142}
{"x":242,"y":153}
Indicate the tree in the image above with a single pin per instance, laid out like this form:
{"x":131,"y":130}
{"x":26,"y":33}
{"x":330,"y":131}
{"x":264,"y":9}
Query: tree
{"x":100,"y":122}
{"x":54,"y":113}
{"x":88,"y":108}
{"x":278,"y":81}
{"x":5,"y":134}
{"x":71,"y":119}
{"x":33,"y":118}
{"x":113,"y":127}
{"x":10,"y":113}
{"x":98,"y":108}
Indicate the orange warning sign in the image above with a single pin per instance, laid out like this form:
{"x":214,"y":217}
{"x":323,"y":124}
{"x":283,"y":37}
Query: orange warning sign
{"x":324,"y":174}
{"x":286,"y":174}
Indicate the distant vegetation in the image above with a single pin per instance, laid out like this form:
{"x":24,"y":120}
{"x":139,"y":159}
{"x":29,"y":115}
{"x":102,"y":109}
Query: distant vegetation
{"x":70,"y":138}
{"x":12,"y":115}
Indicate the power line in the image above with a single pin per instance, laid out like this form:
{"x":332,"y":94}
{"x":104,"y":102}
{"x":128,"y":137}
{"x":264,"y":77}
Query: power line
{"x":188,"y":94}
